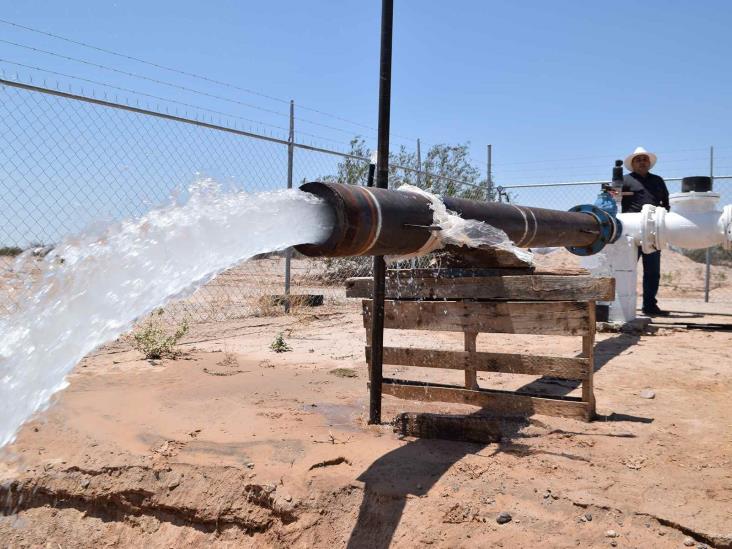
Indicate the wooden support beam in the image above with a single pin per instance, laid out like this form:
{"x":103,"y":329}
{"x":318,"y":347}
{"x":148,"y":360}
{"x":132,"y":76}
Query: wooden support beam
{"x":471,"y":376}
{"x":500,"y":402}
{"x":518,"y":317}
{"x":588,"y":352}
{"x":507,"y":363}
{"x":468,"y":428}
{"x":515,"y":288}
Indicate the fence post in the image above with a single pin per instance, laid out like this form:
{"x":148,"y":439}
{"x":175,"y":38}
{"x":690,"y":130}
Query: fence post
{"x":708,"y":254}
{"x":413,"y":262}
{"x":290,"y":161}
{"x":419,"y":164}
{"x":489,"y":173}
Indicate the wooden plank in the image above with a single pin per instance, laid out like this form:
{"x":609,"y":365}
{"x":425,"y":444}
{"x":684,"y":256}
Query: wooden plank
{"x":456,"y":272}
{"x":508,"y":317}
{"x":508,"y":363}
{"x":499,"y":402}
{"x":471,"y":376}
{"x":562,"y":271}
{"x":469,"y":428}
{"x":588,"y":352}
{"x":515,"y":288}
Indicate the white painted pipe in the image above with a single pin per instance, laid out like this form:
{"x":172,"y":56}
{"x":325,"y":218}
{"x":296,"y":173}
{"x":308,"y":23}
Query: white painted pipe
{"x":693,"y":222}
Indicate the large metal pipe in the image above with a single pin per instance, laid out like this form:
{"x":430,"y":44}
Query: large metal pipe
{"x":373,"y":221}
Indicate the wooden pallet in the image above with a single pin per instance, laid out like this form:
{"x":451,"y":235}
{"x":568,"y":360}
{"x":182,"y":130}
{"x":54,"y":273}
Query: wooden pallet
{"x":541,"y":304}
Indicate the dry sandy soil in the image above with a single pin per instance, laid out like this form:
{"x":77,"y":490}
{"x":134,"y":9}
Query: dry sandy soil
{"x":234,"y":445}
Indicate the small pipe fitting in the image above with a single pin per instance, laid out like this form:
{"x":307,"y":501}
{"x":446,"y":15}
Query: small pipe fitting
{"x":610,"y":229}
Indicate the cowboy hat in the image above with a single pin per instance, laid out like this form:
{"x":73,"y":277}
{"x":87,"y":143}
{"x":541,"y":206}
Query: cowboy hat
{"x":637,"y":152}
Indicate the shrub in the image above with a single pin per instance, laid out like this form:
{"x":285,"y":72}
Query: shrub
{"x":338,"y":269}
{"x":335,"y":270}
{"x":718,"y":256}
{"x":154,"y":341}
{"x":11,"y":251}
{"x":279,"y":345}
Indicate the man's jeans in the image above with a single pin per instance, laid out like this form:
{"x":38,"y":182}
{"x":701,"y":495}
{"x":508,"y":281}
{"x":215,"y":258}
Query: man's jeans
{"x":651,"y":278}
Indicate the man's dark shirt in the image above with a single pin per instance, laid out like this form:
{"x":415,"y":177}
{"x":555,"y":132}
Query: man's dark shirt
{"x":650,"y":189}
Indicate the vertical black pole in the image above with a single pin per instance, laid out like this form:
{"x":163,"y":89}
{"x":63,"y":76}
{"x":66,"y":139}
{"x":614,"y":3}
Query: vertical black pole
{"x":382,"y":181}
{"x":370,"y":179}
{"x":290,"y":162}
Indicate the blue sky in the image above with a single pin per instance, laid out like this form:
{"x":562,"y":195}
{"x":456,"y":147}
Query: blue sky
{"x":560,"y":89}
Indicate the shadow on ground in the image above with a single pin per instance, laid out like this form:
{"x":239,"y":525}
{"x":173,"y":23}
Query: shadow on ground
{"x":605,"y":351}
{"x":413,"y":469}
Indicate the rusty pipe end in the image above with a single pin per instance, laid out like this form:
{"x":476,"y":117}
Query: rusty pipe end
{"x":370,"y":221}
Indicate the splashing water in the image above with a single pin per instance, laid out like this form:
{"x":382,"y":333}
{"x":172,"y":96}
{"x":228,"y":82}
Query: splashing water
{"x":92,"y":288}
{"x":463,"y":232}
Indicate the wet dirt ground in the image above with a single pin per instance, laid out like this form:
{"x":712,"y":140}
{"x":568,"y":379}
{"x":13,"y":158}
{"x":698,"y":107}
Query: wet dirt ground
{"x":234,"y":445}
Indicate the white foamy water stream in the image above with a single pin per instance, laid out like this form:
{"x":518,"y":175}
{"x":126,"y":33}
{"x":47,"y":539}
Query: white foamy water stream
{"x":90,"y":289}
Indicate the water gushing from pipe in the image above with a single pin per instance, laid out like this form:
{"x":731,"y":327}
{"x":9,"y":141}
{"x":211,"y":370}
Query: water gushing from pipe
{"x":90,"y":289}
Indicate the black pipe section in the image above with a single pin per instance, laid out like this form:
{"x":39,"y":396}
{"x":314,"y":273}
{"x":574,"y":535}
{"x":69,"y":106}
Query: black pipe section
{"x":372,"y":221}
{"x":529,"y":227}
{"x":698,"y":184}
{"x":382,"y":182}
{"x":370,"y":178}
{"x":618,"y":172}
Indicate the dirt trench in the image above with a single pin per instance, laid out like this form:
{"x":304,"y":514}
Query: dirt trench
{"x":147,"y":505}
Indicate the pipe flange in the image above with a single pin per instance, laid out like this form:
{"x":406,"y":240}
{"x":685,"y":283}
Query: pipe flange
{"x":660,"y":228}
{"x":610,"y":230}
{"x":727,"y":226}
{"x":648,"y":229}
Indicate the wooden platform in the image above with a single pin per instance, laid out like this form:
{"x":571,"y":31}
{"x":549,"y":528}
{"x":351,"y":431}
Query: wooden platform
{"x":490,"y":301}
{"x":404,"y":285}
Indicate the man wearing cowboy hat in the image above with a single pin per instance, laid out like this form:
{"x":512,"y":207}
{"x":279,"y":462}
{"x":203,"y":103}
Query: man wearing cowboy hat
{"x":646,"y":188}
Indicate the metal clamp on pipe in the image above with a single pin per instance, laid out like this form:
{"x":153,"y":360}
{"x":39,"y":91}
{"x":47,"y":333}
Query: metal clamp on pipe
{"x":610,"y":229}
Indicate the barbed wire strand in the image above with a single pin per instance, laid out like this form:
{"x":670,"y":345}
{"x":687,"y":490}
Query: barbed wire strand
{"x":168,"y":100}
{"x":577,"y":168}
{"x":175,"y":86}
{"x":195,"y":75}
{"x":552,"y":160}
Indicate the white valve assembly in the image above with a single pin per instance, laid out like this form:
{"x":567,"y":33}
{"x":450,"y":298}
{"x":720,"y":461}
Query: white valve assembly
{"x":694,"y":221}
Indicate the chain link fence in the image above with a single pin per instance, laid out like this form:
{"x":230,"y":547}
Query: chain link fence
{"x":70,"y":162}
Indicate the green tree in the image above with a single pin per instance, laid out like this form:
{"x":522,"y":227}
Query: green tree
{"x":353,"y":171}
{"x":446,"y":169}
{"x":398,"y":161}
{"x":459,"y":176}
